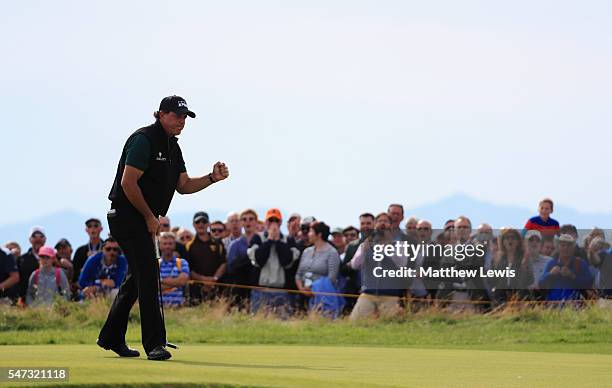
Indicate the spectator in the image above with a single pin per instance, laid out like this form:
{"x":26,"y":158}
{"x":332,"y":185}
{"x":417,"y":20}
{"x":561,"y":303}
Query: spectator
{"x":466,"y":288}
{"x":293,"y":226}
{"x":271,"y":257}
{"x":350,"y":234}
{"x":217,"y":231}
{"x":93,"y":228}
{"x":445,"y":237}
{"x":511,"y":255}
{"x":46,"y":282}
{"x":604,"y":282}
{"x":564,"y":277}
{"x":239,"y":265}
{"x":14,"y":248}
{"x":184,"y":236}
{"x":597,"y":248}
{"x":548,"y":246}
{"x":174,"y":271}
{"x":537,"y":261}
{"x":373,"y":300}
{"x":165,"y":225}
{"x":319,"y":260}
{"x":366,"y":226}
{"x":396,"y":213}
{"x":64,"y":257}
{"x":463,"y":227}
{"x":411,"y":226}
{"x":338,"y":241}
{"x":207,"y":260}
{"x":261,"y":226}
{"x":301,"y":242}
{"x":232,"y":225}
{"x":421,"y":287}
{"x":572,"y":231}
{"x":484,"y":235}
{"x":9,"y":276}
{"x":28,"y":262}
{"x":543,"y":222}
{"x":352,"y":277}
{"x":104,"y":271}
{"x":593,"y":233}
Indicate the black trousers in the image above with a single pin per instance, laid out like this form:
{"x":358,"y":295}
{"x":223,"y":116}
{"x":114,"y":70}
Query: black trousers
{"x":139,"y":284}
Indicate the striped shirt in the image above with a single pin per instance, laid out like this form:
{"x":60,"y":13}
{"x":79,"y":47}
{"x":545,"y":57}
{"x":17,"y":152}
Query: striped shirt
{"x":169,"y":269}
{"x":546,"y":228}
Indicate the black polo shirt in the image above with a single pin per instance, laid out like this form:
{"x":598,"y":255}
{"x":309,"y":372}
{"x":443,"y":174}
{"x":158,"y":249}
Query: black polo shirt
{"x":159,"y":156}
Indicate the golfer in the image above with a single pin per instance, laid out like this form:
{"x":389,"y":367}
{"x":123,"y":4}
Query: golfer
{"x":151,"y":168}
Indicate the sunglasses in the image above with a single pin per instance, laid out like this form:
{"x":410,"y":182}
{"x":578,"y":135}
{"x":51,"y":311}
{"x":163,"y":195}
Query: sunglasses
{"x":427,"y":229}
{"x":164,"y":225}
{"x":215,"y":230}
{"x":111,"y":249}
{"x":201,"y":222}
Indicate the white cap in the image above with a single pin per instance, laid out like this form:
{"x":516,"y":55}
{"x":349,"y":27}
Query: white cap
{"x":533,"y":233}
{"x":37,"y":229}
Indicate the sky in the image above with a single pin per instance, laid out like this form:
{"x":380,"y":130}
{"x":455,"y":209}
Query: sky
{"x":325,"y":107}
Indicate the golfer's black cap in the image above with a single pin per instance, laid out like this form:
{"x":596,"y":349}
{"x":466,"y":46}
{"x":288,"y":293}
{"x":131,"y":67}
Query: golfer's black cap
{"x":175,"y":104}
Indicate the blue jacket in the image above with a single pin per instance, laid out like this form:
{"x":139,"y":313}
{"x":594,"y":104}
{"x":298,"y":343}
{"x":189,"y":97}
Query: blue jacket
{"x":93,"y":270}
{"x":562,"y":287}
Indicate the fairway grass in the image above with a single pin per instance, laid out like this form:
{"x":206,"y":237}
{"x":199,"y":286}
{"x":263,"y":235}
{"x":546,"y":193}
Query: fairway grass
{"x":320,"y":366}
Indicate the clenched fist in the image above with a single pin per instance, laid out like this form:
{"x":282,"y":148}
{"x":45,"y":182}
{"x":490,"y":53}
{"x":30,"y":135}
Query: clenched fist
{"x":220,"y":171}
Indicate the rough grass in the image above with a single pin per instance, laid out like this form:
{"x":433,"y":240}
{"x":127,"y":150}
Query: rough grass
{"x":567,"y":330}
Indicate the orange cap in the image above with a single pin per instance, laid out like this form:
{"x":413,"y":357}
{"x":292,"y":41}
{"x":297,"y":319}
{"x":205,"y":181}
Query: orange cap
{"x":274,"y":213}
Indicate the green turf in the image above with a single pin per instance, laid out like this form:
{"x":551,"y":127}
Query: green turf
{"x":321,"y":366}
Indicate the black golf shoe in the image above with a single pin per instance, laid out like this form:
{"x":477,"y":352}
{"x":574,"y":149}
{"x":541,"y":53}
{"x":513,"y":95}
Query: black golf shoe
{"x":122,"y":350}
{"x":159,"y":354}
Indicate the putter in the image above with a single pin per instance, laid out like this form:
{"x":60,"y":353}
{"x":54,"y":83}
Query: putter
{"x":159,"y":288}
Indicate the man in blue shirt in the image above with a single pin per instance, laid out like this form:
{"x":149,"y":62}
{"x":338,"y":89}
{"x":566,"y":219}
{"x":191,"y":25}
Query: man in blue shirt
{"x":104,"y":271}
{"x":174,"y":271}
{"x":565,"y":276}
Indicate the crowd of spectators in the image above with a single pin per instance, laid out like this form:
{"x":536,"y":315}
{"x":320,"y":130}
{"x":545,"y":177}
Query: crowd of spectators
{"x":255,"y":266}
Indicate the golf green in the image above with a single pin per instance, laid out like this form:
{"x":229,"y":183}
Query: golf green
{"x":321,"y":366}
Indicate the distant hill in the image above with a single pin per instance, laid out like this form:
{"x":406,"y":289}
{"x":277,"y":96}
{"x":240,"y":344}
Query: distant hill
{"x":70,"y":224}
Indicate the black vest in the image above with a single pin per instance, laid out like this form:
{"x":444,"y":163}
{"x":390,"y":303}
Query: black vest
{"x":159,"y":181}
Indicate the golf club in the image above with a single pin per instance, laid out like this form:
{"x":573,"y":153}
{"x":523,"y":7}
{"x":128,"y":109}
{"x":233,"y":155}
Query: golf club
{"x":159,"y":288}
